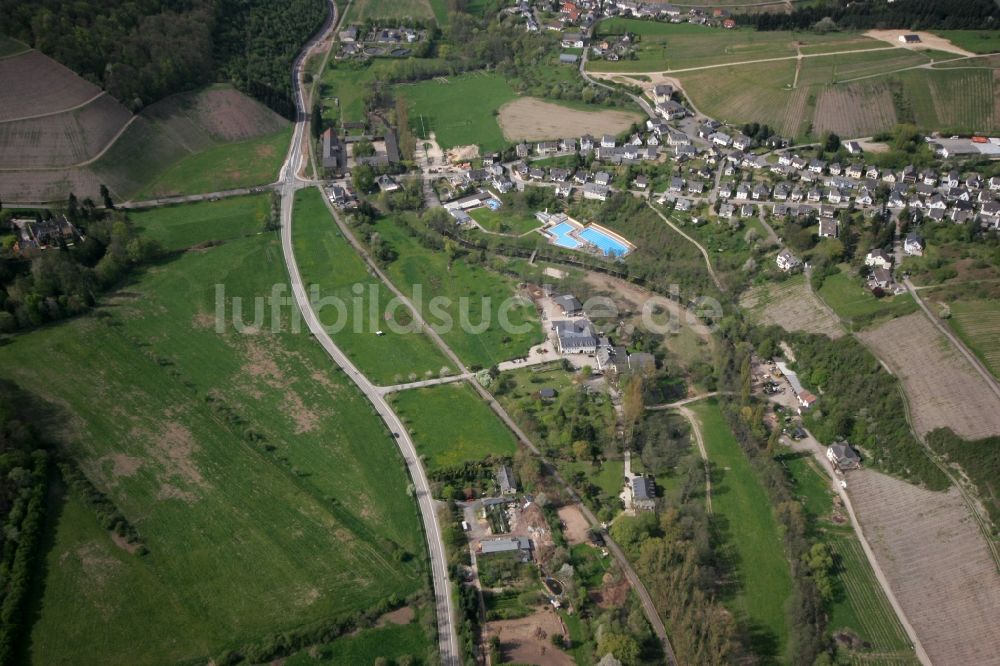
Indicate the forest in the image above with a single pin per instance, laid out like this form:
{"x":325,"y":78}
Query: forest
{"x":910,"y":15}
{"x":142,"y":51}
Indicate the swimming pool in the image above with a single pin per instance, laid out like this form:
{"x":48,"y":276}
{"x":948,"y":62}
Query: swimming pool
{"x":493,"y":204}
{"x":561,"y":235}
{"x":608,"y":245}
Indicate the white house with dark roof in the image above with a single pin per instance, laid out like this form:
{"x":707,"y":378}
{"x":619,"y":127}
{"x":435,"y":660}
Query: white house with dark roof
{"x":787,"y":261}
{"x":575,"y":336}
{"x":843,"y":456}
{"x":878,"y":258}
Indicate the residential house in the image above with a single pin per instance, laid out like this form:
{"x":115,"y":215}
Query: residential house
{"x":881,"y":277}
{"x":853,"y":147}
{"x":643,"y":493}
{"x":843,"y":456}
{"x":596,"y":192}
{"x":828,"y":228}
{"x":569,"y":304}
{"x":878,"y":257}
{"x":787,"y":261}
{"x":913,"y":245}
{"x":575,"y":336}
{"x":608,"y":141}
{"x":602,"y":178}
{"x":506,"y":481}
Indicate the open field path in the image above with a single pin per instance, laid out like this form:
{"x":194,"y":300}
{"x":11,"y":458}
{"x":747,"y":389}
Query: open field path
{"x":448,"y":646}
{"x":425,"y":383}
{"x":681,"y":403}
{"x":192,"y":198}
{"x":696,"y":429}
{"x":704,"y":253}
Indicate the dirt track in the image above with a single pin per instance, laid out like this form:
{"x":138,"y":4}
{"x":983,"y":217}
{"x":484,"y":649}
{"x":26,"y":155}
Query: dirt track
{"x":937,"y":563}
{"x":531,"y":119}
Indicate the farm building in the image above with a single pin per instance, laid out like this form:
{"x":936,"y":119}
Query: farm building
{"x":333,"y":154}
{"x":806,"y":400}
{"x":506,"y":481}
{"x":843,"y":456}
{"x":575,"y":337}
{"x":33,"y":235}
{"x":520,"y":545}
{"x":909,"y":39}
{"x":569,"y":304}
{"x":643,"y":493}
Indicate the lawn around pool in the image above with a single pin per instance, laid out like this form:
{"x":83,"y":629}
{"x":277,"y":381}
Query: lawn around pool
{"x":327,"y":260}
{"x":745,"y":520}
{"x":503,"y":221}
{"x":451,"y":425}
{"x":235,"y":455}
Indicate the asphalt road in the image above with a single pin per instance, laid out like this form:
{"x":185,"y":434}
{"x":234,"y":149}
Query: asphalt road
{"x":290,"y":182}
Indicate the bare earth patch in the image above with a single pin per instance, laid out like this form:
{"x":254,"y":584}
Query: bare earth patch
{"x":574,"y":524}
{"x":792,"y":306}
{"x":531,"y":119}
{"x":528,"y":640}
{"x":942,"y":388}
{"x":612,"y":593}
{"x":937,"y":564}
{"x":404,"y":615}
{"x":927,"y":41}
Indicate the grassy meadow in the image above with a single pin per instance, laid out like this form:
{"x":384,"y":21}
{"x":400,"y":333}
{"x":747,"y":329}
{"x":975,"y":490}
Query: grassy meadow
{"x":186,"y":225}
{"x":389,"y":642}
{"x":744,"y":519}
{"x":326,"y":259}
{"x":222,"y":449}
{"x":362,"y":10}
{"x":473,"y":294}
{"x":977,"y":41}
{"x":504,"y":221}
{"x":852,"y":300}
{"x":461,"y":111}
{"x":223,"y":167}
{"x":451,"y":425}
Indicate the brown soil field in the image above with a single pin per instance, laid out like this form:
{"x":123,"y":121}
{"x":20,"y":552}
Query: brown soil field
{"x":937,"y":564}
{"x":63,"y":139}
{"x":792,"y":306}
{"x":531,"y":119}
{"x":855,"y":109}
{"x":942,"y":388}
{"x":528,"y":640}
{"x":48,"y":185}
{"x":222,"y":112}
{"x":927,"y":41}
{"x":574,"y":524}
{"x":33,"y":84}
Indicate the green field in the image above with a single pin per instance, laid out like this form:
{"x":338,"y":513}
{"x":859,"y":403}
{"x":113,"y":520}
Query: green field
{"x":672,"y":46}
{"x":451,"y":424}
{"x":390,"y":642}
{"x":235,"y":455}
{"x":461,"y":111}
{"x":851,"y":300}
{"x":809,"y":484}
{"x":183,"y":226}
{"x":952,"y":99}
{"x":503,"y":221}
{"x":223,"y":167}
{"x":609,"y":476}
{"x":326,"y":259}
{"x":977,"y":323}
{"x":747,"y":524}
{"x":362,"y":10}
{"x":474,"y":299}
{"x":977,"y":41}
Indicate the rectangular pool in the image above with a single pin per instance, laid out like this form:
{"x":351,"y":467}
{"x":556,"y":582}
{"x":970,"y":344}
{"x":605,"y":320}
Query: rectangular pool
{"x":561,"y":235}
{"x":608,"y":245}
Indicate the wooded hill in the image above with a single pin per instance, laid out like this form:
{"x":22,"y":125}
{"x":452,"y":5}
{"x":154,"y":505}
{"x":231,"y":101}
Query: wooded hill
{"x":142,"y":51}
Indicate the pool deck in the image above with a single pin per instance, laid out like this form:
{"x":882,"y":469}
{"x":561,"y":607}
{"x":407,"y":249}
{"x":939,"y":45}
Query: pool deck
{"x":582,"y":244}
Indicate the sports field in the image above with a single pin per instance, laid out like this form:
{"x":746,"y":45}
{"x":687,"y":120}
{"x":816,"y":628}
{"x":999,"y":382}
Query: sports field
{"x":363,"y":10}
{"x":746,"y":522}
{"x":474,"y":305}
{"x":459,"y":109}
{"x":451,"y":425}
{"x":977,"y":323}
{"x":184,"y":226}
{"x":234,"y":455}
{"x":327,"y":260}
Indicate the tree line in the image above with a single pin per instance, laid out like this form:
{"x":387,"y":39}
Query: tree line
{"x":145,"y":50}
{"x":866,"y":14}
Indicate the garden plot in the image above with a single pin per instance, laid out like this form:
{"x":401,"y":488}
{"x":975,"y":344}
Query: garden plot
{"x":943,"y":390}
{"x":937,"y":564}
{"x":792,"y":306}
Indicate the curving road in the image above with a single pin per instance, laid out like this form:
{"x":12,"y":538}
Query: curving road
{"x":289,"y":183}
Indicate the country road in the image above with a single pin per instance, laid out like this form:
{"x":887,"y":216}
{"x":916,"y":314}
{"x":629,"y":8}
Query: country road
{"x":290,"y":183}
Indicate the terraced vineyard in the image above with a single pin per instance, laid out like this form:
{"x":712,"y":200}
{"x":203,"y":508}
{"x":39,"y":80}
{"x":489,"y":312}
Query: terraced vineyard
{"x":953,"y":99}
{"x":855,"y":109}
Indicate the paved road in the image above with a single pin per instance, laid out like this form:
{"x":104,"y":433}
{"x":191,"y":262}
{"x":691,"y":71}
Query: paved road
{"x":291,"y":182}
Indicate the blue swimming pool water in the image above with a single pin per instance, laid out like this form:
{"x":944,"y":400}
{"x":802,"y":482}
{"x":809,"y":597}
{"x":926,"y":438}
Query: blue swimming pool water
{"x":494,"y":204}
{"x":561,"y":233}
{"x":608,"y":245}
